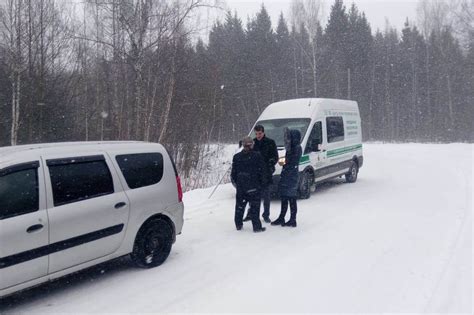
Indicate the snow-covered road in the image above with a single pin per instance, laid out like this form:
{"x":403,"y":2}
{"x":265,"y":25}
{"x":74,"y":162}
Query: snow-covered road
{"x":398,"y":240}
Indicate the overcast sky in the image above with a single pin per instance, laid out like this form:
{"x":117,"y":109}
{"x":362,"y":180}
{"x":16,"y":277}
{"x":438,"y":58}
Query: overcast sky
{"x":396,"y":11}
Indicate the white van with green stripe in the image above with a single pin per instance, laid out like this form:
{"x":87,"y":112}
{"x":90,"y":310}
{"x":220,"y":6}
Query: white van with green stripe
{"x":331,"y":138}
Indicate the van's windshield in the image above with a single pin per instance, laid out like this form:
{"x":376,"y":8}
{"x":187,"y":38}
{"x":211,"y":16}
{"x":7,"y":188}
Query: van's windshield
{"x":275,"y":128}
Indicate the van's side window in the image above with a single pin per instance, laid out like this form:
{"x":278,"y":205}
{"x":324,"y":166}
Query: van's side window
{"x":140,"y":170}
{"x":19,"y":191}
{"x":335,"y":129}
{"x":315,"y":138}
{"x":79,"y":179}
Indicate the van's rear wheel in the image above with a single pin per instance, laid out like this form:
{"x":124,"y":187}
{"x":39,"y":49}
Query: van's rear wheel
{"x":305,"y":186}
{"x":351,"y":177}
{"x":153,"y":244}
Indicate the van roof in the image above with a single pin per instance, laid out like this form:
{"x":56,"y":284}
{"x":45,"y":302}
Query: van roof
{"x":305,"y":107}
{"x":34,"y":150}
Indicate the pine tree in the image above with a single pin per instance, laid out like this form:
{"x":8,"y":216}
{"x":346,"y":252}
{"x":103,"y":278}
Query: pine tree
{"x":378,"y":122}
{"x":336,"y":54}
{"x":447,"y":84}
{"x":359,"y":60}
{"x":283,"y":61}
{"x":391,"y":88}
{"x":468,"y":110}
{"x":260,"y":47}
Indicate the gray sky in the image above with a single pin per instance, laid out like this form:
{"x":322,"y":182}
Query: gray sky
{"x":376,"y":10}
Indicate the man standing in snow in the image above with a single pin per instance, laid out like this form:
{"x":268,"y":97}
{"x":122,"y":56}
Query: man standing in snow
{"x":248,"y":173}
{"x":269,"y":152}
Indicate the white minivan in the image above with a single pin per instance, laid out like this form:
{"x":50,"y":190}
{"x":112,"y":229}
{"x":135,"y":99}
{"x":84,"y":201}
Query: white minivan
{"x":68,"y":206}
{"x":331,"y":138}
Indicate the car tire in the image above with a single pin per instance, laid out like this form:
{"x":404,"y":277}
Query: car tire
{"x":152,"y":244}
{"x":305,"y":186}
{"x":351,"y":176}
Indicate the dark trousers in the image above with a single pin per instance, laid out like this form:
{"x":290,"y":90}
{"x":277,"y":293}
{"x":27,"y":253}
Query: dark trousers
{"x":284,"y":207}
{"x":266,"y":198}
{"x":241,"y":201}
{"x":266,"y":202}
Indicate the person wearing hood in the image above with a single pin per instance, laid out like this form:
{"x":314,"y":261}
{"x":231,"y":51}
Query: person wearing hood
{"x":248,"y":174}
{"x":288,"y":186}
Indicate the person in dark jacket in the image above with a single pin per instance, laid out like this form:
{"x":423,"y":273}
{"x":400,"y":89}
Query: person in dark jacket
{"x":248,"y":174}
{"x":269,"y":152}
{"x":288,"y":186}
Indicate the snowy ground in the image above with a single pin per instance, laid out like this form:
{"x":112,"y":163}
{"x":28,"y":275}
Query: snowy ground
{"x":398,"y":240}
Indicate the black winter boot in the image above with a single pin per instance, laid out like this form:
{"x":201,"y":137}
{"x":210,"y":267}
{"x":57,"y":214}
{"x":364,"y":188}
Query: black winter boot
{"x":284,"y":209}
{"x":294,"y":210}
{"x":279,"y":221}
{"x":291,"y":223}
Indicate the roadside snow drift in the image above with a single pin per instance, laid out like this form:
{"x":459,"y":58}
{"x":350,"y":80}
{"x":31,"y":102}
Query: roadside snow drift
{"x":398,"y":240}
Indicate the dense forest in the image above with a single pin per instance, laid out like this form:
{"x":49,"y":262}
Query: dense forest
{"x":133,"y":69}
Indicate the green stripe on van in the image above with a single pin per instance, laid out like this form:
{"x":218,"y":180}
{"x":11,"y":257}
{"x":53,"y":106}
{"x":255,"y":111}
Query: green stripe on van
{"x":345,"y":150}
{"x":304,"y":159}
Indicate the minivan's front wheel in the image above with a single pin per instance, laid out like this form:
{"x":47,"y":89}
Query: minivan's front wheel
{"x":305,"y":186}
{"x":351,"y":177}
{"x":153,"y":244}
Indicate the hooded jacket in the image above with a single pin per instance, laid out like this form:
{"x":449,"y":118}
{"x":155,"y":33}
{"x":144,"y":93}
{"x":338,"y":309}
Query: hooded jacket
{"x":288,"y":186}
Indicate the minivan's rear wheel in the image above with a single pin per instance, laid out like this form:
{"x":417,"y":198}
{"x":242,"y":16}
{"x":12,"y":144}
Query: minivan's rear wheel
{"x":305,"y":186}
{"x":153,"y":244}
{"x":351,"y":177}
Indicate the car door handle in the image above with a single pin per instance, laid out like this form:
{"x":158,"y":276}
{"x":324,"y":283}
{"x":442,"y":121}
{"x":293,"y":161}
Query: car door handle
{"x":35,"y":228}
{"x":120,"y":205}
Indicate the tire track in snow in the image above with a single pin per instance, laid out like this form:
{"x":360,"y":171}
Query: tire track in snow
{"x":456,"y":244}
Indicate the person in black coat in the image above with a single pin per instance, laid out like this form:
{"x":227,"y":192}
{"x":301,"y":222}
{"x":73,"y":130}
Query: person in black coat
{"x":248,"y":174}
{"x":288,"y":186}
{"x":269,"y":152}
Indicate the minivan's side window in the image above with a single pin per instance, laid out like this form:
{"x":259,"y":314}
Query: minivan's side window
{"x":77,"y":179}
{"x":140,"y":170}
{"x":19,"y":190}
{"x":315,"y":138}
{"x":335,"y":129}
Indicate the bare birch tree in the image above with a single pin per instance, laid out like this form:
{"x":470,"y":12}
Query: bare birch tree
{"x":11,"y":13}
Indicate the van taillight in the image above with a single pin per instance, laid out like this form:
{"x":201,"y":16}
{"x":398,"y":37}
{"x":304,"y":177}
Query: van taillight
{"x":180,"y":189}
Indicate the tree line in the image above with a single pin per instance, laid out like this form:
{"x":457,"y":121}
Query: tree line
{"x":413,"y":85}
{"x":132,"y":70}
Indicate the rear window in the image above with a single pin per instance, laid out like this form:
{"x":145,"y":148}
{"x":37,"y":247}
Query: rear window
{"x":141,"y":170}
{"x":77,"y":181}
{"x":19,"y":192}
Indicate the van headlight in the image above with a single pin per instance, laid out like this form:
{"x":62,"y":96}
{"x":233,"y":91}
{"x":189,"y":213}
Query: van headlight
{"x":282,"y":161}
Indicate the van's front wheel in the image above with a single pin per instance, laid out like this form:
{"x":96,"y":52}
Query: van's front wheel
{"x":351,"y":177}
{"x":153,"y":244}
{"x":305,"y":186}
